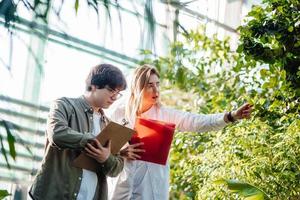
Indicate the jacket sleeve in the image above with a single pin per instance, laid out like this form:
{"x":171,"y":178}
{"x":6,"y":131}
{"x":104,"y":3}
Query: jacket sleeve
{"x":112,"y":166}
{"x":58,"y":131}
{"x":186,"y":121}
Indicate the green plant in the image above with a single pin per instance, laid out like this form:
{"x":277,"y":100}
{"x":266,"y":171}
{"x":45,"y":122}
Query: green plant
{"x":10,"y":140}
{"x":247,"y":190}
{"x":3,"y":194}
{"x":271,"y":35}
{"x":262,"y":151}
{"x":12,"y":150}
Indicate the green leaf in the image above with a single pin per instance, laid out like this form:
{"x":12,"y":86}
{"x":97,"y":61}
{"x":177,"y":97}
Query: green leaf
{"x":146,"y":52}
{"x":76,"y":6}
{"x":255,"y":197}
{"x":244,"y":189}
{"x":290,"y":29}
{"x":10,"y":139}
{"x":265,"y":85}
{"x":240,"y":48}
{"x":3,"y":194}
{"x":3,"y":152}
{"x":180,"y":76}
{"x":273,"y":82}
{"x":263,"y":73}
{"x":262,"y":101}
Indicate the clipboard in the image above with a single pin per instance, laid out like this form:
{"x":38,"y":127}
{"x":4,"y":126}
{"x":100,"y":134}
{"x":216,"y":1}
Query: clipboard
{"x":118,"y":134}
{"x":157,"y":137}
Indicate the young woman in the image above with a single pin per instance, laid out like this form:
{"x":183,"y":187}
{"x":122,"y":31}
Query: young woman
{"x":146,"y":180}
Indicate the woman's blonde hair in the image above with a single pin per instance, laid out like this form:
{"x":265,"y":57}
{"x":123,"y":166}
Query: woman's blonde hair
{"x":139,"y":81}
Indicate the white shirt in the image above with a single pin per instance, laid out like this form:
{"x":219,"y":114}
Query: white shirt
{"x":89,"y":179}
{"x":141,"y":180}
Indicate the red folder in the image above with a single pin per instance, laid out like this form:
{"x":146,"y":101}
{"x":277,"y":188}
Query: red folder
{"x":157,"y":137}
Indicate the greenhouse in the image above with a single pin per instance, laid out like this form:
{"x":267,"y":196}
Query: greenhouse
{"x":237,"y":58}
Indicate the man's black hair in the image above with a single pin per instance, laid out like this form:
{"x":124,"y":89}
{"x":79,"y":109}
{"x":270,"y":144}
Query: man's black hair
{"x":106,"y":74}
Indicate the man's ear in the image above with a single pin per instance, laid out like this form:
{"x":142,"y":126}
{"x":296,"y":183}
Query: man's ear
{"x":93,"y":87}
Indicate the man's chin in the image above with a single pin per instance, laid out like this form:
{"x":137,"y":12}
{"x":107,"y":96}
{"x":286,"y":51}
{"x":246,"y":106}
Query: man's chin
{"x":106,"y":106}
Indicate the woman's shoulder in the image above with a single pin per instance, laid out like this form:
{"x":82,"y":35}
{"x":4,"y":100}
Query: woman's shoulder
{"x":163,"y":111}
{"x":168,"y":109}
{"x":118,"y":112}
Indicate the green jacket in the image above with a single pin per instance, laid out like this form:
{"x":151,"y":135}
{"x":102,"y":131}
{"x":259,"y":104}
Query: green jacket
{"x":69,"y":128}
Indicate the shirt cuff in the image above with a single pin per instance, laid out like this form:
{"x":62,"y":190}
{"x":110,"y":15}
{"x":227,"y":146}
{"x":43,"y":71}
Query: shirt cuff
{"x":109,"y":162}
{"x":85,"y":138}
{"x":220,"y":119}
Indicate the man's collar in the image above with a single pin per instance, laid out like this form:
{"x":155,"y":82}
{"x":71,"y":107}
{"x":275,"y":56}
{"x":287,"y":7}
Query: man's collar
{"x":88,"y":107}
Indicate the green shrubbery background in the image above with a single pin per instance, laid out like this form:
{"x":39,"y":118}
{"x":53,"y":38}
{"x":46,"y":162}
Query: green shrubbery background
{"x":265,"y":71}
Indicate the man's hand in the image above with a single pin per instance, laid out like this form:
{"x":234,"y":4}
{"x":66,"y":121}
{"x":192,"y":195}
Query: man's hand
{"x":242,"y":112}
{"x":95,"y":150}
{"x":131,"y":151}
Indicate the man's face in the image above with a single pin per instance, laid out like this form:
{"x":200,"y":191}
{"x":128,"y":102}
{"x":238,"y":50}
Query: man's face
{"x":104,"y":97}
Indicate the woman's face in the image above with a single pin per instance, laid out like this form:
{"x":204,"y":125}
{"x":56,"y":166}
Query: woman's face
{"x":151,"y":91}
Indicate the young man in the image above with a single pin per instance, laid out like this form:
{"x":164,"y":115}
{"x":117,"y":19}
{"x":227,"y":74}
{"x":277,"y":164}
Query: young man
{"x":72,"y":124}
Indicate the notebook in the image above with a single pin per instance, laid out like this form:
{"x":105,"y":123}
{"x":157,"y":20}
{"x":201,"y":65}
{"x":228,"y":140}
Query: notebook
{"x":115,"y":132}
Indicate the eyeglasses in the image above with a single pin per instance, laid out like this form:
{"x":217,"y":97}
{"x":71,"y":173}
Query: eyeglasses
{"x":113,"y":92}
